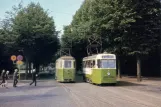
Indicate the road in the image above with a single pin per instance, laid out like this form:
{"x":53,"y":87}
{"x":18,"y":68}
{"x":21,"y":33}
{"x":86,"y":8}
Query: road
{"x":49,"y":93}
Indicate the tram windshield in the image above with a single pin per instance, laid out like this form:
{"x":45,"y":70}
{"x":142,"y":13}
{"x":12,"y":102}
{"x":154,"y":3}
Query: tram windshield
{"x":67,"y":64}
{"x":107,"y":63}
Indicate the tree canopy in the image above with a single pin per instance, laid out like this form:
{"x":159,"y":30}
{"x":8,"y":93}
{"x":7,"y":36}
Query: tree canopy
{"x":29,"y":29}
{"x":37,"y":33}
{"x":127,"y":27}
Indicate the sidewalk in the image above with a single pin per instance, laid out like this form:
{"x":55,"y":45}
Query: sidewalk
{"x":145,"y":80}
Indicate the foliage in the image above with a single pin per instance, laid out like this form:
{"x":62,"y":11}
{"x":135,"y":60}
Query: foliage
{"x":127,"y":27}
{"x":29,"y":29}
{"x":37,"y":33}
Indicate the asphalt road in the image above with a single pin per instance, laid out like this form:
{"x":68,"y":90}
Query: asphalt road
{"x":49,"y":93}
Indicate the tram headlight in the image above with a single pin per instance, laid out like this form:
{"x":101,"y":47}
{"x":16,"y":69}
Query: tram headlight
{"x":108,"y":73}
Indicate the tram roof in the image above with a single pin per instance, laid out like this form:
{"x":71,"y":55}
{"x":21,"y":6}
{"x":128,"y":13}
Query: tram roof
{"x":66,"y":57}
{"x":99,"y":56}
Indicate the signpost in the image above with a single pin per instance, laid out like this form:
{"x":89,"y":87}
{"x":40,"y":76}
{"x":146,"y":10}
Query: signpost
{"x":13,"y":58}
{"x":19,"y":58}
{"x":19,"y":61}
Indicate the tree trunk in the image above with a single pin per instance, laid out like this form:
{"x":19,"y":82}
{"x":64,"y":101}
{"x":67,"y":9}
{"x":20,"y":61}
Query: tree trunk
{"x":26,"y":73}
{"x":119,"y":68}
{"x":37,"y":66}
{"x":138,"y":69}
{"x":160,"y":58}
{"x":29,"y":67}
{"x":43,"y":68}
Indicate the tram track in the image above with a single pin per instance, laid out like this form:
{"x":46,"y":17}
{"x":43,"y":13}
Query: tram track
{"x":75,"y":99}
{"x":105,"y":95}
{"x":75,"y":96}
{"x":127,"y":98}
{"x":113,"y":95}
{"x":94,"y":99}
{"x":148,"y":95}
{"x":123,"y":97}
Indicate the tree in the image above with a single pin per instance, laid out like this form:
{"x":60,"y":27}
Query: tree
{"x":74,"y":44}
{"x":145,"y":30}
{"x":111,"y":18}
{"x":102,"y":18}
{"x":37,"y":34}
{"x":8,"y":44}
{"x":132,"y":27}
{"x":128,"y":27}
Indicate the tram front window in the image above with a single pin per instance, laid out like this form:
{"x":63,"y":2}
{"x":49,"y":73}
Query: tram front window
{"x":110,"y":63}
{"x":67,"y":64}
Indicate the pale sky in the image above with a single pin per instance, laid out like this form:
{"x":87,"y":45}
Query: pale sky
{"x":61,"y":10}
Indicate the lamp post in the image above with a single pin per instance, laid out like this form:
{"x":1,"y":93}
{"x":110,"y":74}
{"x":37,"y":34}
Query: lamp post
{"x":21,"y":50}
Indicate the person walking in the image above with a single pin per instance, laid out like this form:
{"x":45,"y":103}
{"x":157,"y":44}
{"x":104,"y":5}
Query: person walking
{"x":3,"y":78}
{"x":34,"y":77}
{"x":15,"y":78}
{"x":6,"y":78}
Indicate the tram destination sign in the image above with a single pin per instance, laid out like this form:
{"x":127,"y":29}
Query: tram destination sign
{"x":108,"y":56}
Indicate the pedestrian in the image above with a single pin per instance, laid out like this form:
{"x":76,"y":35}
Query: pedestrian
{"x":15,"y":78}
{"x":6,"y":78}
{"x":34,"y":77}
{"x":3,"y":78}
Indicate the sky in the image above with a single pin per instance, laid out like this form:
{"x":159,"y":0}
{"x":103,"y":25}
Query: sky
{"x":61,"y":10}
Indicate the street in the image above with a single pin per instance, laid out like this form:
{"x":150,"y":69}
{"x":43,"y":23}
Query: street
{"x":49,"y":93}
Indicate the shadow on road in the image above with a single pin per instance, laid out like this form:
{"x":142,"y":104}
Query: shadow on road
{"x":34,"y":87}
{"x":25,"y":98}
{"x":122,"y":84}
{"x":79,"y":79}
{"x":25,"y":88}
{"x":126,"y":83}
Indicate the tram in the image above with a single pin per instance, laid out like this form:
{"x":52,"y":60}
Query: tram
{"x":100,"y":69}
{"x":65,"y":69}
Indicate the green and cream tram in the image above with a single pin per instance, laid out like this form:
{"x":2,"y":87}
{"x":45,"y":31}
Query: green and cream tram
{"x":100,"y":69}
{"x":65,"y":69}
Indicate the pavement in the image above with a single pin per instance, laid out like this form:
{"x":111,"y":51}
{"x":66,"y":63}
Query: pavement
{"x":49,"y":93}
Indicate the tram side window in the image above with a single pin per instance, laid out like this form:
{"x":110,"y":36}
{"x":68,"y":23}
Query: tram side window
{"x":93,"y":64}
{"x":88,"y":64}
{"x":84,"y":64}
{"x":99,"y":63}
{"x":67,"y":64}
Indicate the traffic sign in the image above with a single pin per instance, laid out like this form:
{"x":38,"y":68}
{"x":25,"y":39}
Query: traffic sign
{"x":13,"y":57}
{"x":19,"y":57}
{"x":19,"y":62}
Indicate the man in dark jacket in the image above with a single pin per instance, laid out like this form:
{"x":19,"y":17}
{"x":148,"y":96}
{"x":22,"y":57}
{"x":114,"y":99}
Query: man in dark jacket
{"x":6,"y":79}
{"x":3,"y":78}
{"x":34,"y":77}
{"x":15,"y":78}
